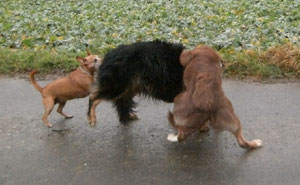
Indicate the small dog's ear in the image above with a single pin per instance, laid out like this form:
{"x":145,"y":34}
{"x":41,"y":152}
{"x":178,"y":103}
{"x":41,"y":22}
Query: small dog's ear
{"x":87,"y":52}
{"x":81,"y":60}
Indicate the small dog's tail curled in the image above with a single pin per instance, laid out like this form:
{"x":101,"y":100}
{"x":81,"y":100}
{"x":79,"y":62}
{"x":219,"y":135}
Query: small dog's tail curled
{"x":31,"y":76}
{"x":171,"y":120}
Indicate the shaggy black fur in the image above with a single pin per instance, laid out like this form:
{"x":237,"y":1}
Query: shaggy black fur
{"x":147,"y":68}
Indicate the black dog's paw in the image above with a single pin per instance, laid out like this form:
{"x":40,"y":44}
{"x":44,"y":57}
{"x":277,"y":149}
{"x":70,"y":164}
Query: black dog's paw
{"x":129,"y":118}
{"x":133,"y":117}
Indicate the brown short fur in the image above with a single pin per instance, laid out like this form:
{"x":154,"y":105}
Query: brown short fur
{"x":204,"y":99}
{"x":75,"y":85}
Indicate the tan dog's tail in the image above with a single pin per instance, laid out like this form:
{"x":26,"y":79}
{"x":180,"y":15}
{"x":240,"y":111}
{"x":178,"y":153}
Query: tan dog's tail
{"x":31,"y":76}
{"x":171,"y":120}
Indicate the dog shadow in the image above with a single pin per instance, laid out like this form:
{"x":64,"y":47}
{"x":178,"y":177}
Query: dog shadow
{"x":60,"y":127}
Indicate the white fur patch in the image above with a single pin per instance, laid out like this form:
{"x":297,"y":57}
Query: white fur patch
{"x":172,"y":138}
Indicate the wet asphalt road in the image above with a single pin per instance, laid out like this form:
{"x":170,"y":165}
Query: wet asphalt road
{"x":74,"y":153}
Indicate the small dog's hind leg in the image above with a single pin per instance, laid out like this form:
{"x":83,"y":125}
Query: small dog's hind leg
{"x":60,"y":108}
{"x":49,"y":104}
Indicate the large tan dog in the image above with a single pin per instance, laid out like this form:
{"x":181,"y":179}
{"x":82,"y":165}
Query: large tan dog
{"x":75,"y":85}
{"x":204,"y":99}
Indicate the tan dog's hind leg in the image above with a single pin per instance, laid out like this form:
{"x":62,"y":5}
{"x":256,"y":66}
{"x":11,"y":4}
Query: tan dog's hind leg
{"x":244,"y":143}
{"x":92,"y":115}
{"x":60,"y":108}
{"x":49,"y":104}
{"x":227,"y":120}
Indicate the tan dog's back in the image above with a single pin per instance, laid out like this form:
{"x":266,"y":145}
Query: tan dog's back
{"x":74,"y":85}
{"x":202,"y":79}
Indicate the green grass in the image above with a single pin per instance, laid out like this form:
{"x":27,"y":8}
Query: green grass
{"x":48,"y":34}
{"x":13,"y":61}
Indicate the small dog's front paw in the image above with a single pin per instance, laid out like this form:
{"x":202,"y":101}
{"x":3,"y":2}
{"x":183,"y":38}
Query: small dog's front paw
{"x":92,"y":121}
{"x":172,"y":138}
{"x":93,"y":124}
{"x":257,"y":142}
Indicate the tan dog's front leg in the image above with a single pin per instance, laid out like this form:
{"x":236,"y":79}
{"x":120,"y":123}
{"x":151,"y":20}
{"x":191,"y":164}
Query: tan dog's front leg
{"x":92,"y":115}
{"x":193,"y":123}
{"x":49,"y":104}
{"x":60,"y":108}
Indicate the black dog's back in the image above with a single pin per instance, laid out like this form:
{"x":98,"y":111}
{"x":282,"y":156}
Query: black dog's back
{"x":148,"y":68}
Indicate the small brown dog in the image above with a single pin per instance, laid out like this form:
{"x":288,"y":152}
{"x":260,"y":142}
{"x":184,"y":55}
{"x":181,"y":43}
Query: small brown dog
{"x":204,"y":99}
{"x":75,"y":85}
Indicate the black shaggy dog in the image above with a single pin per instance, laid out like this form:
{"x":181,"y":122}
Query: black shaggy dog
{"x":146,"y":68}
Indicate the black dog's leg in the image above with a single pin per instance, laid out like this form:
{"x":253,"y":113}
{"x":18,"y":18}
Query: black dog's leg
{"x":124,"y":107}
{"x":90,"y":106}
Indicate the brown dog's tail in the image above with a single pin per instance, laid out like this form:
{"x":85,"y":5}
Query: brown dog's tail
{"x":31,"y":76}
{"x":171,"y":120}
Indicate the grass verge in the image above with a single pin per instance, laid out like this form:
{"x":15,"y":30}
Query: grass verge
{"x":46,"y":61}
{"x":282,"y":61}
{"x":277,"y":62}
